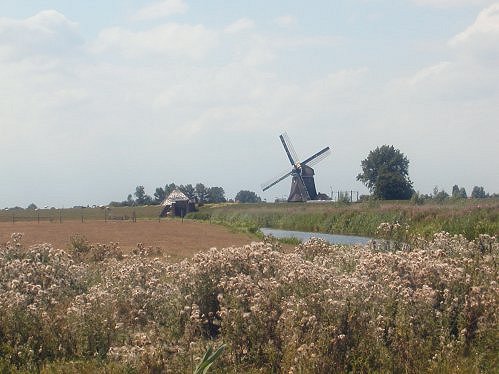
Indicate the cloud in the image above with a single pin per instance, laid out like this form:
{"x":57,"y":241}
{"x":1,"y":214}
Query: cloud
{"x":451,"y":3}
{"x":428,"y":73}
{"x":161,"y":9}
{"x":285,"y":21}
{"x":174,"y":40}
{"x":240,"y":25}
{"x":46,"y":33}
{"x":481,"y":39}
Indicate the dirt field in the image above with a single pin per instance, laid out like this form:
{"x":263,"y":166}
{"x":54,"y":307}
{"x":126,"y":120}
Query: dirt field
{"x":177,"y":238}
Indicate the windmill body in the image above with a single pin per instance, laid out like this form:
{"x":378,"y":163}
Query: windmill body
{"x":302,"y":182}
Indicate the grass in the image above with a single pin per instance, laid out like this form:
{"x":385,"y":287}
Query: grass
{"x":467,"y":217}
{"x":72,"y":214}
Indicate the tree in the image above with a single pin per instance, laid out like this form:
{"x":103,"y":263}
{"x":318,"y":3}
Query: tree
{"x":32,"y":206}
{"x":459,"y":193}
{"x":439,"y":196}
{"x":478,"y":193}
{"x":129,"y":200}
{"x":188,"y":191}
{"x":201,"y":192}
{"x":462,"y":193}
{"x":245,"y":196}
{"x":216,"y":195}
{"x":159,"y":195}
{"x":141,"y":197}
{"x":385,"y":172}
{"x":169,"y":188}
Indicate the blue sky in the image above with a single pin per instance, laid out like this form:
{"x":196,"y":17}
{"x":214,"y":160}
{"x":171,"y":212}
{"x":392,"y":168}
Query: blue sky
{"x":98,"y":97}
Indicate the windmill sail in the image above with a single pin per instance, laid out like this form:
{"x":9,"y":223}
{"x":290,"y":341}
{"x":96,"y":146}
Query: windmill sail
{"x":318,"y":157}
{"x":272,"y":182}
{"x":290,"y":150}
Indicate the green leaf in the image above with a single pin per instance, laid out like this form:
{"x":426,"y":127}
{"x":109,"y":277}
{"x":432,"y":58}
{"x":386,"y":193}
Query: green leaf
{"x":208,"y":359}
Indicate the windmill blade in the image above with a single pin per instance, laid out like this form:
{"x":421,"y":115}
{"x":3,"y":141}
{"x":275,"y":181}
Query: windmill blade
{"x":274,"y":181}
{"x":319,"y":156}
{"x":290,"y":150}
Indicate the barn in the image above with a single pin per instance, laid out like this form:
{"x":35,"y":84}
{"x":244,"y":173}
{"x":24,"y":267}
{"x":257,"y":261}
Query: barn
{"x":177,"y":204}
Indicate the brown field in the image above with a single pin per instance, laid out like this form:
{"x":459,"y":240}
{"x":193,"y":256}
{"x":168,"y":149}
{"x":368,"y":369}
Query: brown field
{"x":173,"y":237}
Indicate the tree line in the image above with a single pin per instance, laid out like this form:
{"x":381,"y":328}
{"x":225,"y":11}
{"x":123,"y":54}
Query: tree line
{"x":385,"y":172}
{"x":199,"y":193}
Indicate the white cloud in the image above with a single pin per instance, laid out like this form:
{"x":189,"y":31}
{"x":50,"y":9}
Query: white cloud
{"x":428,"y":73}
{"x":240,"y":25}
{"x":161,"y":9}
{"x":285,"y":21}
{"x":48,"y":32}
{"x":482,"y":37}
{"x":166,"y":40}
{"x":451,"y":3}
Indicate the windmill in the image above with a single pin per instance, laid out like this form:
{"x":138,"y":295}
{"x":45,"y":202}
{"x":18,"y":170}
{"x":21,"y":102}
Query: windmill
{"x":302,"y":184}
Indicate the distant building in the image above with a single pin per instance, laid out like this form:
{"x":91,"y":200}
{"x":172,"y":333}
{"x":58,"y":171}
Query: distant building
{"x":177,"y":204}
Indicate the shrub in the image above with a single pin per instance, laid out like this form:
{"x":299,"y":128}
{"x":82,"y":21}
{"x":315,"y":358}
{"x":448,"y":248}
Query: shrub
{"x":317,"y":308}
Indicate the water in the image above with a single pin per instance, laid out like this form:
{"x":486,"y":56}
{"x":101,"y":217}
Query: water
{"x":303,"y":236}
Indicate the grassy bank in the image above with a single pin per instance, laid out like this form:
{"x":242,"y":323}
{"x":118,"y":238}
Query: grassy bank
{"x":468,"y":217}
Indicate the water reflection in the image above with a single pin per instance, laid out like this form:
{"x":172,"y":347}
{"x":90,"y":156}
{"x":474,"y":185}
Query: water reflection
{"x":303,"y":236}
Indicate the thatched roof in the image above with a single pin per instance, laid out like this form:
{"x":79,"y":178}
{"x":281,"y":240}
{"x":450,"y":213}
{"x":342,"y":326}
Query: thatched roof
{"x":174,"y":196}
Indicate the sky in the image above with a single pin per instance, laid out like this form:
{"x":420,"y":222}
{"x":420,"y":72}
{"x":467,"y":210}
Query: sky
{"x":98,"y":97}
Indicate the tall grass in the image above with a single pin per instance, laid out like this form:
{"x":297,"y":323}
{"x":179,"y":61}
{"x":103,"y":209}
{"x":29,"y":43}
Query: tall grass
{"x":466,"y":218}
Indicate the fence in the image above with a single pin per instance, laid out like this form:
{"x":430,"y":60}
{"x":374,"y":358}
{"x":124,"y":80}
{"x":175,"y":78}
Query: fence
{"x":350,"y":196}
{"x":80,"y":214}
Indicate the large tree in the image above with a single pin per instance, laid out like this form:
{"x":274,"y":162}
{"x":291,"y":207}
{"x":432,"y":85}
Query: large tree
{"x":216,"y":195}
{"x":385,"y":172}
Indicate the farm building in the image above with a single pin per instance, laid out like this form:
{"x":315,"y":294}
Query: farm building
{"x":177,"y":204}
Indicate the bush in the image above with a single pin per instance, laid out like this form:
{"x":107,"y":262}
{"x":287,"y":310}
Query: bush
{"x":316,"y":308}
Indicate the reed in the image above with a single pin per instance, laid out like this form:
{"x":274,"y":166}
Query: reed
{"x":469,"y":218}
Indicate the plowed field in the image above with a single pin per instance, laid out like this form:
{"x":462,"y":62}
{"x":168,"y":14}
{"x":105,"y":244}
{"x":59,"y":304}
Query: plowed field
{"x":174,"y":237}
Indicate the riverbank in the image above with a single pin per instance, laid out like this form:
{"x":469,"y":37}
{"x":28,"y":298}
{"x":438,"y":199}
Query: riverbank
{"x":470,"y":217}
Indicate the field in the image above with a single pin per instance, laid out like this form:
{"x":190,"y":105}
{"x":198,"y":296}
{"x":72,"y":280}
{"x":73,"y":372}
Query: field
{"x":98,"y":301}
{"x":169,"y":236}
